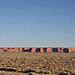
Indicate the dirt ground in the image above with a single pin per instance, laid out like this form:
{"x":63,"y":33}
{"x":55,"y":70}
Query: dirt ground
{"x":20,"y":63}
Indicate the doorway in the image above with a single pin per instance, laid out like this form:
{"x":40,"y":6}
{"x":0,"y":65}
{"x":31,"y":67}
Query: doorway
{"x":37,"y":49}
{"x":66,"y":50}
{"x":55,"y":49}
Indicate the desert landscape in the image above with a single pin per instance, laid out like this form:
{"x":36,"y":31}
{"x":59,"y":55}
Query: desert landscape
{"x":23,"y":63}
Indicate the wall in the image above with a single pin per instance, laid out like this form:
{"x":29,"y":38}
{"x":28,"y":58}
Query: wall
{"x":48,"y":49}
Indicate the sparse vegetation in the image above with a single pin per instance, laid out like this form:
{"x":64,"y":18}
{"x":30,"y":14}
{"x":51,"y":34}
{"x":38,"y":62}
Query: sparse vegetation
{"x":19,"y":63}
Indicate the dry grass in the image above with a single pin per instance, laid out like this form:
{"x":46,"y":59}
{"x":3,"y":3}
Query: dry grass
{"x":19,"y":63}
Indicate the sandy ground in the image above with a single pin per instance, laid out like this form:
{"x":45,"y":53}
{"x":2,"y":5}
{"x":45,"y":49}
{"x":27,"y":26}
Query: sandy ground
{"x":20,"y":63}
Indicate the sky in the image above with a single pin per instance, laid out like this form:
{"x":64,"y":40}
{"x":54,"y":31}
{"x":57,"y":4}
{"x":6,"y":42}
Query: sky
{"x":31,"y":23}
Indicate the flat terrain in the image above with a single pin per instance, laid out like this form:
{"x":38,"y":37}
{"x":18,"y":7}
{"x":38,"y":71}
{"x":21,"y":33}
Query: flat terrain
{"x":20,"y":63}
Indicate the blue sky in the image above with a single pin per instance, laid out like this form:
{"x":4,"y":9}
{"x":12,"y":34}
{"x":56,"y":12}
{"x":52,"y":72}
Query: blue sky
{"x":37,"y":23}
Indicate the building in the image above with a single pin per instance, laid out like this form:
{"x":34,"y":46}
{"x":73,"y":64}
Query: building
{"x":38,"y":50}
